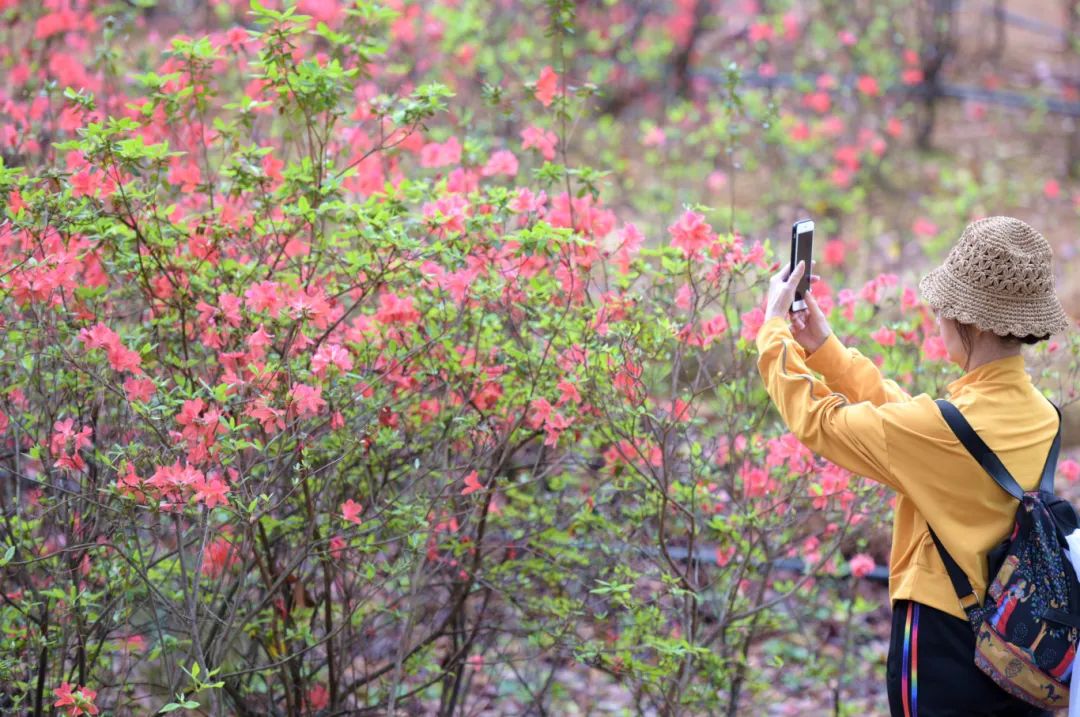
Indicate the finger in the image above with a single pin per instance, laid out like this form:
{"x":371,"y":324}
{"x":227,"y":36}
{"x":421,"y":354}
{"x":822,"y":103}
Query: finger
{"x":785,"y":292}
{"x":800,"y":269}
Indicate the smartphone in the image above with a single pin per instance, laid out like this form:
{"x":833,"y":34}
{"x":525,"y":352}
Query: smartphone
{"x":802,"y":245}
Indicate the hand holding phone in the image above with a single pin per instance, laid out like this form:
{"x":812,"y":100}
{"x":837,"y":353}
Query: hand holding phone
{"x":802,"y":245}
{"x":810,"y":328}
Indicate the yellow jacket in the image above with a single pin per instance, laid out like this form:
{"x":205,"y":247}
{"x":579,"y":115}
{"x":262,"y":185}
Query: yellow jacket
{"x":869,"y":425}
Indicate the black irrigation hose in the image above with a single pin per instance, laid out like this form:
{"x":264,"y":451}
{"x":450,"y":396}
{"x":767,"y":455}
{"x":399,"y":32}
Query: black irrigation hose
{"x":963,"y":92}
{"x":1022,"y":21}
{"x":879,"y":574}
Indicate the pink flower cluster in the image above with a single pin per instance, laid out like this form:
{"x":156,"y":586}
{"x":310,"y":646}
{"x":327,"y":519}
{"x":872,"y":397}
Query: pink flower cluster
{"x":691,"y":233}
{"x":63,"y":432}
{"x":175,"y":484}
{"x":201,"y":425}
{"x":75,"y":700}
{"x":121,"y":358}
{"x":447,"y":215}
{"x":543,"y":415}
{"x":861,"y":565}
{"x":542,"y":139}
{"x":218,"y":556}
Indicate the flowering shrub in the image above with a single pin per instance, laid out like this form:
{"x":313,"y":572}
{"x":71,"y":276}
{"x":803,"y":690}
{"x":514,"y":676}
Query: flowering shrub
{"x":319,"y":396}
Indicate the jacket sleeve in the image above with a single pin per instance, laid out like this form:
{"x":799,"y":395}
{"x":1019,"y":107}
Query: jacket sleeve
{"x":846,"y":370}
{"x":850,"y":434}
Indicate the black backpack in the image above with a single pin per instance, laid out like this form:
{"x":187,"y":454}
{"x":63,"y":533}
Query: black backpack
{"x":1028,"y":627}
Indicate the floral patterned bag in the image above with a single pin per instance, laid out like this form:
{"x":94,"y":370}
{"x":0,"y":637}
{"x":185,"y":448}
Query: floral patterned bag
{"x":1028,"y":626}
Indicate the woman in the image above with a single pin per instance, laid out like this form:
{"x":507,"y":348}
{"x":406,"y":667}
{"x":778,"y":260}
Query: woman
{"x":994,"y":293}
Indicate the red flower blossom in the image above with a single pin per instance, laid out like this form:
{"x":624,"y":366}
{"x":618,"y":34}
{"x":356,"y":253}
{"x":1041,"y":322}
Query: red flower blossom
{"x":435,"y":154}
{"x":834,"y":252}
{"x":868,"y":85}
{"x":911,"y":76}
{"x":472,"y":484}
{"x":751,"y":323}
{"x":307,"y":399}
{"x":760,"y":31}
{"x":139,"y":389}
{"x":271,"y":418}
{"x":884,"y":336}
{"x":76,"y":701}
{"x":211,"y":492}
{"x":271,"y":165}
{"x":924,"y":227}
{"x":318,"y":697}
{"x":933,"y":348}
{"x":501,"y":162}
{"x":547,"y":85}
{"x":350,"y":510}
{"x":186,"y":175}
{"x":218,"y":556}
{"x":861,"y":565}
{"x":541,"y":139}
{"x":396,"y":310}
{"x":691,"y":233}
{"x":820,"y":102}
{"x":331,"y":355}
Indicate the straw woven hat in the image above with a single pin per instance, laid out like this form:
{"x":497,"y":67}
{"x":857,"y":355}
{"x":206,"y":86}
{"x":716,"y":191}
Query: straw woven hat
{"x":998,"y":277}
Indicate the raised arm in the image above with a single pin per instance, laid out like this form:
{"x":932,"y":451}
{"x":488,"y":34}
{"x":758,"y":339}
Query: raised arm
{"x":847,"y":371}
{"x":833,"y":425}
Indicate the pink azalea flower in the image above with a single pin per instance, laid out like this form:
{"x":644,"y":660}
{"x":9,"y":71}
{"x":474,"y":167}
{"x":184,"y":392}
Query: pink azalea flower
{"x":501,"y":162}
{"x":884,"y":336}
{"x":541,"y":139}
{"x":472,"y":483}
{"x":868,"y":85}
{"x":350,"y":510}
{"x":861,"y":565}
{"x":691,"y":233}
{"x":547,"y":85}
{"x":75,"y":700}
{"x":307,"y":400}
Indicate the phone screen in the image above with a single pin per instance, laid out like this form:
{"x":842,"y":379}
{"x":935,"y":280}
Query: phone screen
{"x":802,"y":245}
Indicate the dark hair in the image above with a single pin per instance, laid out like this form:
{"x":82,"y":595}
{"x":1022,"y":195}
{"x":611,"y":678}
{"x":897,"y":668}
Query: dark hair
{"x":965,"y":338}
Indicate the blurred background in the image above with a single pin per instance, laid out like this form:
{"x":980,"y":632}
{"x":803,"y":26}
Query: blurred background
{"x":892,"y":123}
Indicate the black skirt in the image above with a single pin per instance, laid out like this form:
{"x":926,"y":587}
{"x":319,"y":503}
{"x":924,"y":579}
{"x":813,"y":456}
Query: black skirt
{"x":931,"y":669}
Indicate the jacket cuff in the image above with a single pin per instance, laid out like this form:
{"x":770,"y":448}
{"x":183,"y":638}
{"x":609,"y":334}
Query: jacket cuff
{"x":830,"y":359}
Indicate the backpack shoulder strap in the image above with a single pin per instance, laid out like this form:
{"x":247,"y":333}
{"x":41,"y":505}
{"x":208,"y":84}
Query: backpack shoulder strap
{"x":959,"y":580}
{"x":982,"y":453}
{"x":1046,"y":484}
{"x":993,"y":465}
